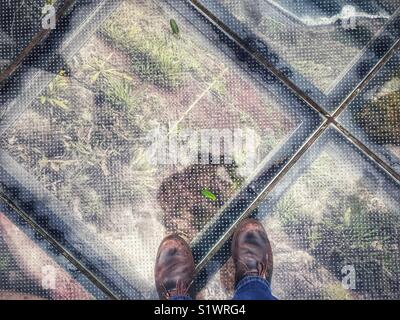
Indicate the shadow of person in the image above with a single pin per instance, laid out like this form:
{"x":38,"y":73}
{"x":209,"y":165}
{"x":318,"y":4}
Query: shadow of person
{"x":192,"y":197}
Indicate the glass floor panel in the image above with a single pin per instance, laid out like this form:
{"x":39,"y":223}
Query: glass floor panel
{"x":124,"y":143}
{"x":30,"y":269}
{"x":134,"y":119}
{"x":335,"y":213}
{"x":324,"y":47}
{"x":374,"y":116}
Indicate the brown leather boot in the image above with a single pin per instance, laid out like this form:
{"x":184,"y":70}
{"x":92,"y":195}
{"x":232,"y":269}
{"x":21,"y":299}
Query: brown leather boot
{"x":174,"y":269}
{"x":251,"y":251}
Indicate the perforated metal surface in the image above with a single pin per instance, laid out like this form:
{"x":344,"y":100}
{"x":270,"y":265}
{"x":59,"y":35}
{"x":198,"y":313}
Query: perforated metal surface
{"x":20,"y":20}
{"x":136,"y":119}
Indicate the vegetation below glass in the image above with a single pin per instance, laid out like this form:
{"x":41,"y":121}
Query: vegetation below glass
{"x":168,"y":57}
{"x":90,"y":128}
{"x":380,"y":119}
{"x":341,"y":221}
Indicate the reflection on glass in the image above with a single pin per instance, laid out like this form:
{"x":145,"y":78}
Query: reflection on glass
{"x":339,"y":213}
{"x":318,"y":39}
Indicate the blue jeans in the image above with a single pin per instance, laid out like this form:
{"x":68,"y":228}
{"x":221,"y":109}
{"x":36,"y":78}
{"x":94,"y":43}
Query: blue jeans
{"x":249,"y":288}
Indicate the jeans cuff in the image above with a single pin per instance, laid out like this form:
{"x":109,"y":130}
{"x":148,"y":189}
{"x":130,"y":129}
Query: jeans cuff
{"x":248,"y":279}
{"x":183,"y":297}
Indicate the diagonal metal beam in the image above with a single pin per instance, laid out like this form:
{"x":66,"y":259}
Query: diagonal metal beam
{"x":97,"y":282}
{"x":370,"y":154}
{"x":257,"y":56}
{"x":263,"y":194}
{"x":361,"y":86}
{"x":38,"y":38}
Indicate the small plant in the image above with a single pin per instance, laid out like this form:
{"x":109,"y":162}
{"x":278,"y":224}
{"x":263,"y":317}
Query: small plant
{"x":100,"y":69}
{"x":120,"y":93}
{"x":94,"y":156}
{"x":219,"y":87}
{"x":55,"y":90}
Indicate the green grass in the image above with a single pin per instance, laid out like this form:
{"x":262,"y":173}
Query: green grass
{"x":339,"y":227}
{"x":380,"y":119}
{"x":53,"y":96}
{"x":121,"y":94}
{"x":157,"y":54}
{"x":174,"y":27}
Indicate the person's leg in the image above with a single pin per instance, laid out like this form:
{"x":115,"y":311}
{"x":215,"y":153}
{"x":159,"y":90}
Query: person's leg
{"x":253,"y":288}
{"x":174,"y":269}
{"x":252,"y":256}
{"x":184,"y":297}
